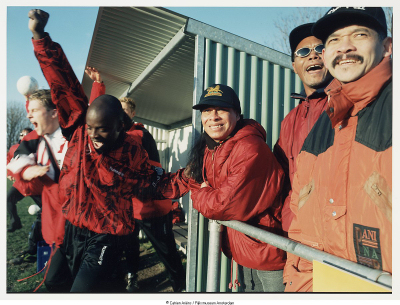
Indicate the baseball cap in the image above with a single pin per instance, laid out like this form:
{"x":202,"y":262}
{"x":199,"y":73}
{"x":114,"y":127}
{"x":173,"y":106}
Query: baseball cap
{"x":339,"y":17}
{"x":218,"y":95}
{"x":298,"y":34}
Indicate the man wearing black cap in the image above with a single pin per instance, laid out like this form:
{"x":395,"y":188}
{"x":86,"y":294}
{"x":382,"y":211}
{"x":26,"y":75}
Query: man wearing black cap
{"x":342,"y":190}
{"x":233,"y":175}
{"x":308,"y":65}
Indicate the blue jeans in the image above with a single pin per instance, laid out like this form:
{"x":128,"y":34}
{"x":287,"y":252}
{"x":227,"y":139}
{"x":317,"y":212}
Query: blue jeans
{"x":252,"y":280}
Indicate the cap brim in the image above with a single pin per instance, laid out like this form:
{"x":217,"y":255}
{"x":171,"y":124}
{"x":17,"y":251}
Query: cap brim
{"x":212,"y":103}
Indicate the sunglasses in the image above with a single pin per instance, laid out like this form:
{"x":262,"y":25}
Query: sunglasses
{"x":303,"y":52}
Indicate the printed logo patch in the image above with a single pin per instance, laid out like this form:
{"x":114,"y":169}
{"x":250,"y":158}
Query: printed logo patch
{"x":213,"y":91}
{"x":367,"y":246}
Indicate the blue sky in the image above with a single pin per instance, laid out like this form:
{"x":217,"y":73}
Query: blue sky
{"x":73,"y":28}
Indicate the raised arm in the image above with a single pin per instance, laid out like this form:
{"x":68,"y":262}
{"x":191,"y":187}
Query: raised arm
{"x":98,"y":87}
{"x":66,"y":91}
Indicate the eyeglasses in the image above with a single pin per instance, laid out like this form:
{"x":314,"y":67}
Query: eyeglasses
{"x":303,"y":52}
{"x":21,"y":135}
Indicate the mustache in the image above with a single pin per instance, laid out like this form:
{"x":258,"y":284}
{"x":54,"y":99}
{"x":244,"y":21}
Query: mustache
{"x":355,"y":57}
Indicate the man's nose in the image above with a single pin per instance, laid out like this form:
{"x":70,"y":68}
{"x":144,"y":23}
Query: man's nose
{"x":346,"y":45}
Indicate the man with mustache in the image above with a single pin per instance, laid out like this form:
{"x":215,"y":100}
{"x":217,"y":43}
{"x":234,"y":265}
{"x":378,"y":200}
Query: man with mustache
{"x":342,"y":190}
{"x":308,"y":65}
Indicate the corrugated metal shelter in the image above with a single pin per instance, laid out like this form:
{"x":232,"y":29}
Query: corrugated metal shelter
{"x":164,"y":61}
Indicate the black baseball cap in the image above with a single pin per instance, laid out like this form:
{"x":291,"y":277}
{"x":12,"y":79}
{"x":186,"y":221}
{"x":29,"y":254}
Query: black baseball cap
{"x":298,"y":34}
{"x":219,"y":95}
{"x":339,"y":17}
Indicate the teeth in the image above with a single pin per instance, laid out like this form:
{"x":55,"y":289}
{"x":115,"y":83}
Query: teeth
{"x":314,"y":67}
{"x":348,"y":61}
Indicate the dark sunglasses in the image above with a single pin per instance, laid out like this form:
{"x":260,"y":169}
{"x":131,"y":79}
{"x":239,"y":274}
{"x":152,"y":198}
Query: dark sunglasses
{"x":303,"y":52}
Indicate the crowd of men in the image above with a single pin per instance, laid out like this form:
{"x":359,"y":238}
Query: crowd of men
{"x":327,"y":183}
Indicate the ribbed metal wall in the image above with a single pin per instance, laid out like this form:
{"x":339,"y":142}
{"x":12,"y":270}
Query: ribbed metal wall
{"x":161,"y":138}
{"x":263,"y":87}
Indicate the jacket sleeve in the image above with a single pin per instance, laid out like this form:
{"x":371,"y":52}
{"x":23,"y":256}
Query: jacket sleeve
{"x":281,"y":157}
{"x":149,"y":144}
{"x":66,"y":91}
{"x":253,"y":171}
{"x":176,"y":185}
{"x":97,"y":90}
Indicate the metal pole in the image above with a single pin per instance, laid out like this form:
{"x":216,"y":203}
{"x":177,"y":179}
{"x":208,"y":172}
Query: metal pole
{"x":214,"y":256}
{"x":378,"y":276}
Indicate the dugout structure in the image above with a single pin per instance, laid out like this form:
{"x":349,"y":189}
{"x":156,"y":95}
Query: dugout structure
{"x":164,"y":61}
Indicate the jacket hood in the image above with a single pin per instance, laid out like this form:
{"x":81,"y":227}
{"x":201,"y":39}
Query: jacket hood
{"x":348,"y":99}
{"x":248,"y":127}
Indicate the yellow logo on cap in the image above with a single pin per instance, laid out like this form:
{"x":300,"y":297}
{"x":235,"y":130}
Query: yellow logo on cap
{"x":213,"y":91}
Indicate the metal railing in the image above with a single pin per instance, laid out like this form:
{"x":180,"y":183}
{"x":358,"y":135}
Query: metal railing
{"x":215,"y":228}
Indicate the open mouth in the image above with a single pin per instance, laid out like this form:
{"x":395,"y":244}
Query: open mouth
{"x":97,"y":145}
{"x":314,"y":68}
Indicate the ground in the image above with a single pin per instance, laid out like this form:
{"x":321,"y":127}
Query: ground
{"x":152,"y":276}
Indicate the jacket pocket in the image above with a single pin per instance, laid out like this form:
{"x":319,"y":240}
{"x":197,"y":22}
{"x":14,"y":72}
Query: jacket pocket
{"x":298,"y":274}
{"x":380,"y":193}
{"x":305,"y":193}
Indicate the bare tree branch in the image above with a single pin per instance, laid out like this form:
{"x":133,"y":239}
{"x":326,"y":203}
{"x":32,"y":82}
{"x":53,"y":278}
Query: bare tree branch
{"x":16,"y":122}
{"x":303,"y":15}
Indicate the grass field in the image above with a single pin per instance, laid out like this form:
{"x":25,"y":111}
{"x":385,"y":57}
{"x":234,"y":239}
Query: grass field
{"x":16,"y":242}
{"x":152,"y":276}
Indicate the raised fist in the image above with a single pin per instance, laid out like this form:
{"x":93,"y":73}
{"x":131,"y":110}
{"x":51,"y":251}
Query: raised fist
{"x":37,"y":22}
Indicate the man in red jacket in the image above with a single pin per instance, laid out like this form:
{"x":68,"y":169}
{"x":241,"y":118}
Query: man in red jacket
{"x":103,"y":167}
{"x":154,"y":217}
{"x":233,"y":175}
{"x":308,"y":65}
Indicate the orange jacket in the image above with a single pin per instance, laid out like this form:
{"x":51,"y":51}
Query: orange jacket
{"x":342,"y":189}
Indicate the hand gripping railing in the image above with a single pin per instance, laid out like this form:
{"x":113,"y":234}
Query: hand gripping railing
{"x":378,"y":276}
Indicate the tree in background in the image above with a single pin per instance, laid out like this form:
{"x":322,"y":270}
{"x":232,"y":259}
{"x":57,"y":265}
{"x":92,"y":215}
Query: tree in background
{"x":306,"y":15}
{"x":16,"y":121}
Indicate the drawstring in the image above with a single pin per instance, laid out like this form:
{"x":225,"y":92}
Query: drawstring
{"x":47,"y":270}
{"x":230,"y":284}
{"x":44,"y":277}
{"x":236,"y":282}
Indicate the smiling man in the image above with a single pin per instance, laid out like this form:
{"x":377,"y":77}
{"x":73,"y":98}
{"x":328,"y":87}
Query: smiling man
{"x":308,"y":65}
{"x":342,"y":190}
{"x":233,"y":175}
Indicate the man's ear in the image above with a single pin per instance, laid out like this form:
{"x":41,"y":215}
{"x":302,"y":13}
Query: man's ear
{"x":294,"y":67}
{"x":54,"y":113}
{"x":323,"y":56}
{"x":388,"y":46}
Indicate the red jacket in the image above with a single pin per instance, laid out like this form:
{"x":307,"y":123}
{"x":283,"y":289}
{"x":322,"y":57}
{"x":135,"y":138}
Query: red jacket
{"x":148,"y":208}
{"x":10,"y":155}
{"x":294,"y":130}
{"x":95,"y":190}
{"x":245,"y":185}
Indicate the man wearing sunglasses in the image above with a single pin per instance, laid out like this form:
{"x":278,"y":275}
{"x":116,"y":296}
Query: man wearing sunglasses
{"x":342,"y":189}
{"x":308,"y":65}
